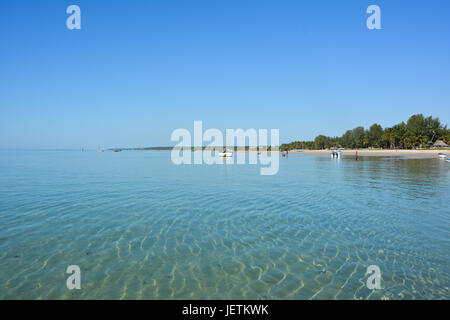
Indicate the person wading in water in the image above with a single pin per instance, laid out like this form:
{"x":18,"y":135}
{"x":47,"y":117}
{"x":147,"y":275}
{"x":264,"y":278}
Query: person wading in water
{"x":356,"y":155}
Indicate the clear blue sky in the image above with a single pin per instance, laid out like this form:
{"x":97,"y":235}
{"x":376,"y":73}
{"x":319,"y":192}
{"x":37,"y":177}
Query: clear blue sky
{"x":137,"y":70}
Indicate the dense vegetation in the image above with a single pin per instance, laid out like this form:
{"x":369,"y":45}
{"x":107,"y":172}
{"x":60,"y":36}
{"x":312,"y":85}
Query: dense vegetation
{"x":417,"y":132}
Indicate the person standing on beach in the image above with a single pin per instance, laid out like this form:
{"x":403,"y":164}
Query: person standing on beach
{"x":356,"y":155}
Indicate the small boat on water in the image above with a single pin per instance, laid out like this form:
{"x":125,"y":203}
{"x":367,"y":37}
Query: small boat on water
{"x":336,"y":154}
{"x":225,"y":154}
{"x":442,"y":155}
{"x":448,"y":160}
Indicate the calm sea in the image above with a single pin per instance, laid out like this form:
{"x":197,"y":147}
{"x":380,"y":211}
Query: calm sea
{"x":140,"y":227}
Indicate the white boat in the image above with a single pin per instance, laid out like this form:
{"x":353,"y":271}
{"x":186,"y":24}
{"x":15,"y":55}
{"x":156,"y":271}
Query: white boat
{"x":226,"y":154}
{"x":336,"y":154}
{"x":442,"y":155}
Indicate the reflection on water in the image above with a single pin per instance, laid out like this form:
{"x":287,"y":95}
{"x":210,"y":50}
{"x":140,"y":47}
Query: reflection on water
{"x":140,"y":227}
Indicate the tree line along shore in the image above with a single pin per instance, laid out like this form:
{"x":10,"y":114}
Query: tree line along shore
{"x":417,"y":132}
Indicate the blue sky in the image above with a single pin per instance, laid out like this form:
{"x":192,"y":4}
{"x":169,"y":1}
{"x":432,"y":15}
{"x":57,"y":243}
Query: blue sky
{"x":137,"y":70}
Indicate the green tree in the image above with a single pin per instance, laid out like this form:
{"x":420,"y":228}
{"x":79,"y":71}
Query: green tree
{"x":398,"y":136}
{"x":358,"y":136}
{"x":347,"y":140}
{"x":375,"y":133}
{"x":321,"y":142}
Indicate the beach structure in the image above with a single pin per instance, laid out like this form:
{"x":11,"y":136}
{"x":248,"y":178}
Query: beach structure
{"x":440,"y":144}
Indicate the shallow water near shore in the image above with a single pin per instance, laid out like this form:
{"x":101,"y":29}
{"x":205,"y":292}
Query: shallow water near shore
{"x":140,"y":227}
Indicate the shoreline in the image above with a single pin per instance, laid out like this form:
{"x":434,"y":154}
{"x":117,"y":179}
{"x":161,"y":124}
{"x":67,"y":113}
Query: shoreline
{"x":413,"y":154}
{"x":405,"y":154}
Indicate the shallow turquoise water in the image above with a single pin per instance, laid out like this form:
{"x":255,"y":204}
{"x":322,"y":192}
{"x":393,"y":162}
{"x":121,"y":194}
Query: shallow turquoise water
{"x":140,"y":227}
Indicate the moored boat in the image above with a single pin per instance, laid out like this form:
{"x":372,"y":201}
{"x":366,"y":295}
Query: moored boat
{"x":226,"y":154}
{"x":336,"y":154}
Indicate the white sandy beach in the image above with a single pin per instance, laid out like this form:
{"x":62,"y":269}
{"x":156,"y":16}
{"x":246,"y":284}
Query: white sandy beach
{"x":410,"y":154}
{"x":416,"y":154}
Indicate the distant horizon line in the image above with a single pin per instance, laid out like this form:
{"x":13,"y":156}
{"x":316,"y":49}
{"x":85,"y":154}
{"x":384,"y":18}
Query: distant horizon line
{"x":128,"y":148}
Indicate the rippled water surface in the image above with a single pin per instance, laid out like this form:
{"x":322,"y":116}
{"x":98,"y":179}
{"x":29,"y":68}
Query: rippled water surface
{"x":140,"y":227}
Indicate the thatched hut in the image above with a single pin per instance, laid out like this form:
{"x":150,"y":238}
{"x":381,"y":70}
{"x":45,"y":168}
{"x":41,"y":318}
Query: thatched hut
{"x":440,"y":144}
